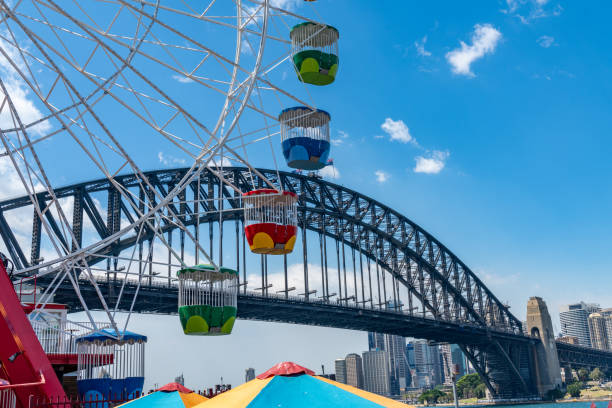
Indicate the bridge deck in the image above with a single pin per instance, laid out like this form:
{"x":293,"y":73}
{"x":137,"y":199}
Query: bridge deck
{"x":163,"y":299}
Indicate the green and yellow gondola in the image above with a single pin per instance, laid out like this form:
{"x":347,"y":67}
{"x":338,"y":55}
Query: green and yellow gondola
{"x":207,"y":300}
{"x":315,"y":52}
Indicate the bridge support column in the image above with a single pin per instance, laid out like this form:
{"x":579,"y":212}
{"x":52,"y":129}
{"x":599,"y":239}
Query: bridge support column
{"x":547,"y":371}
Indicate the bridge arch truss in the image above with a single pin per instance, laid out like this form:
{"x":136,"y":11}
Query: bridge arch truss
{"x":383,"y":263}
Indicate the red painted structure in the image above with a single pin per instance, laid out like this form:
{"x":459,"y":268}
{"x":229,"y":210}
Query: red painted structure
{"x":24,"y":362}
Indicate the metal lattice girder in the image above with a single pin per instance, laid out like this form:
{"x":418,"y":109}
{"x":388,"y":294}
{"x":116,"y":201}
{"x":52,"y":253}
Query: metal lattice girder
{"x":446,"y":288}
{"x":578,"y":357}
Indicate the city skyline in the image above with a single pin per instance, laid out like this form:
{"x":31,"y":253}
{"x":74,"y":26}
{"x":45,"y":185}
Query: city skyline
{"x":409,"y":364}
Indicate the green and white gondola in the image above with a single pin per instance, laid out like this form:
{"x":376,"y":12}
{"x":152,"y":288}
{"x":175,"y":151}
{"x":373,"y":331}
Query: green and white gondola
{"x":207,"y":300}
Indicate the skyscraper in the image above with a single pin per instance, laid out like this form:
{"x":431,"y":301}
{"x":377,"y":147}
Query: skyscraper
{"x":180,"y":379}
{"x":377,"y":372}
{"x":446,"y":360}
{"x":607,"y":314}
{"x":249,"y":374}
{"x":575,"y":321}
{"x":427,"y":362}
{"x":354,"y":370}
{"x":376,"y":341}
{"x":395,"y":346}
{"x":341,"y":370}
{"x":411,"y":369}
{"x":598,"y":331}
{"x":459,"y":360}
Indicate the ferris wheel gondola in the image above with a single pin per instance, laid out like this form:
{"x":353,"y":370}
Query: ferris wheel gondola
{"x":315,"y":52}
{"x":305,"y":137}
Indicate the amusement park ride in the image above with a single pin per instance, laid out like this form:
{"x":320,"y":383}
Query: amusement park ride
{"x":83,"y":97}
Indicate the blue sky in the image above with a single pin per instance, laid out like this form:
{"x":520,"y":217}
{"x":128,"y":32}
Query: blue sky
{"x":523,"y":196}
{"x":487,"y":124}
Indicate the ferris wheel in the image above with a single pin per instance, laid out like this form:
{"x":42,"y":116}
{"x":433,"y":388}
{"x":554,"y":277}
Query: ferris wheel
{"x":97,"y":89}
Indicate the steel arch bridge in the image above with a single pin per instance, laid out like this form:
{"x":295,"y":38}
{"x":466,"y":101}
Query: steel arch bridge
{"x":403,"y":281}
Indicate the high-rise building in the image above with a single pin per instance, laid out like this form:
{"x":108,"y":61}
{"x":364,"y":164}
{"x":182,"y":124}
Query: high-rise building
{"x":607,"y":314}
{"x":354,"y":370}
{"x":459,"y":360}
{"x":575,"y":321}
{"x":180,"y":379}
{"x":598,"y":331}
{"x":376,"y":341}
{"x":377,"y":372}
{"x":340,"y":370}
{"x":428,"y":366}
{"x":446,"y":360}
{"x":395,"y":346}
{"x":249,"y":374}
{"x":411,"y":371}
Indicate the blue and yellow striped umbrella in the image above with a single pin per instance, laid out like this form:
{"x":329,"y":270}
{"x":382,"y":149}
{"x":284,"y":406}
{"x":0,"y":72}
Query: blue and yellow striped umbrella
{"x":171,"y":395}
{"x":289,"y":385}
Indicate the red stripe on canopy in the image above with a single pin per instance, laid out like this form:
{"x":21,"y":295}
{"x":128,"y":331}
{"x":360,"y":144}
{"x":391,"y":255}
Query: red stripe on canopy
{"x":174,"y":387}
{"x":287,"y":368}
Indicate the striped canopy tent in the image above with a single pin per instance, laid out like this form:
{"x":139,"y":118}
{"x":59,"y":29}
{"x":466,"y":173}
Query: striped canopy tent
{"x":289,"y":385}
{"x":172,"y":395}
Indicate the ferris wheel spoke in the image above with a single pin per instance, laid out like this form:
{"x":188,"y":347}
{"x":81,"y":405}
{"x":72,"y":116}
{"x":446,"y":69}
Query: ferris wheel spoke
{"x":111,"y":180}
{"x":213,"y":19}
{"x":21,"y":54}
{"x":72,"y":87}
{"x":242,"y":84}
{"x":30,"y":190}
{"x":91,"y":65}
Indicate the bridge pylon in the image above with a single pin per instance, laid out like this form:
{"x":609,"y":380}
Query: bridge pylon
{"x":547,"y":371}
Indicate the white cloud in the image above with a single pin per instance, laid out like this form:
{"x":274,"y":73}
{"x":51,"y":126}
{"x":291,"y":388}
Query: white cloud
{"x":546,"y":41}
{"x":182,"y":79}
{"x":286,"y":4}
{"x":12,"y":185}
{"x":499,"y":280}
{"x":19,"y":92}
{"x":254,"y":14}
{"x":169,"y":160}
{"x":484,"y":41}
{"x":397,"y":130}
{"x":342,"y":136}
{"x":295,"y":278}
{"x":330,"y":172}
{"x":381,"y":176}
{"x":433,"y":164}
{"x":225,"y":162}
{"x":420,"y":47}
{"x":528,"y":10}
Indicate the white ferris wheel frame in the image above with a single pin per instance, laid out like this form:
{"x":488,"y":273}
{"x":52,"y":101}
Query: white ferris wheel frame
{"x":33,"y":176}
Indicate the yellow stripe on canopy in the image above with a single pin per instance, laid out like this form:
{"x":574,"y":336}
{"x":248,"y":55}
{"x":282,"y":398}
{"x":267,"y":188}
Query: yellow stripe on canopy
{"x":375,"y":398}
{"x":192,"y":399}
{"x":238,"y":397}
